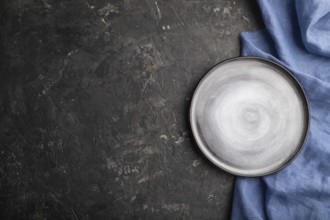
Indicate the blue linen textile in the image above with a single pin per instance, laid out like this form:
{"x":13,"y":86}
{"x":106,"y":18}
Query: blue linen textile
{"x":297,"y":35}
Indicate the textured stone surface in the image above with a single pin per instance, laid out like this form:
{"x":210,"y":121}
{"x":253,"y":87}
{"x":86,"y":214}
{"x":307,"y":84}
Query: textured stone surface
{"x":94,"y":100}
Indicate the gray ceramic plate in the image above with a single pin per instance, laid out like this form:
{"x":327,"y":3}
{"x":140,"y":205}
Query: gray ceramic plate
{"x":249,"y":116}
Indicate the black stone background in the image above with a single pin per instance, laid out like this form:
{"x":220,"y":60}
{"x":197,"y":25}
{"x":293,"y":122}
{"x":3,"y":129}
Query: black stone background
{"x":94,"y":102}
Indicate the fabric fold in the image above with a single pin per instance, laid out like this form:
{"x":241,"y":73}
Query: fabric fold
{"x":314,"y":22}
{"x":301,"y":190}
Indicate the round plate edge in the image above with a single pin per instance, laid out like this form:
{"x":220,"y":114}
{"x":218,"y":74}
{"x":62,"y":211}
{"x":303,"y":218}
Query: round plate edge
{"x":194,"y":131}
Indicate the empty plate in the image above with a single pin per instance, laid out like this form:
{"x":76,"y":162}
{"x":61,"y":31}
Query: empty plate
{"x":249,"y":116}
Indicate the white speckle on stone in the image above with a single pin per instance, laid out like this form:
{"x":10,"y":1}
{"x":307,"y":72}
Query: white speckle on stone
{"x":135,"y":170}
{"x":90,"y":6}
{"x":120,"y":171}
{"x":176,"y":207}
{"x":164,"y":28}
{"x":168,"y":27}
{"x":196,"y":163}
{"x":108,"y":9}
{"x":210,"y":197}
{"x":158,"y":173}
{"x":164,"y":137}
{"x":127,"y":170}
{"x":72,"y":52}
{"x":111,"y":164}
{"x":179,"y":141}
{"x":115,"y":118}
{"x":150,"y":150}
{"x":216,"y":10}
{"x":143,"y":179}
{"x":46,"y":4}
{"x":145,"y":206}
{"x":133,"y":198}
{"x":226,"y":10}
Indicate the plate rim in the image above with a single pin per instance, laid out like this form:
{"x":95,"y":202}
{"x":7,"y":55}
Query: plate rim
{"x":288,"y":73}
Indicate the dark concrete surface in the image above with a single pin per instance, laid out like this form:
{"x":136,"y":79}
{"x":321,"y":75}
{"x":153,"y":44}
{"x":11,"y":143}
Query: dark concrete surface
{"x":94,"y":101}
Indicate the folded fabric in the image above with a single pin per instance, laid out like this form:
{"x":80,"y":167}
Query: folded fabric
{"x":296,"y":36}
{"x":314,"y":22}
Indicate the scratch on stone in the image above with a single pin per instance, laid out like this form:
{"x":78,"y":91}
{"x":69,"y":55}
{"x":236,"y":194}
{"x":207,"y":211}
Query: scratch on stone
{"x":145,"y":85}
{"x":174,"y":118}
{"x":51,"y":101}
{"x":154,"y":15}
{"x":177,"y":15}
{"x":246,"y":19}
{"x":164,"y":56}
{"x":75,"y":216}
{"x":158,"y":10}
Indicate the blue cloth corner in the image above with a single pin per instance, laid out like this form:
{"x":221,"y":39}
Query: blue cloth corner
{"x":297,"y":35}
